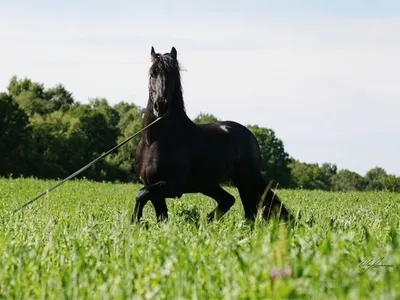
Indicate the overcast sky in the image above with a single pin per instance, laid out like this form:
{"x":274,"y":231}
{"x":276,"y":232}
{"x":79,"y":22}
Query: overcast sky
{"x":324,"y":75}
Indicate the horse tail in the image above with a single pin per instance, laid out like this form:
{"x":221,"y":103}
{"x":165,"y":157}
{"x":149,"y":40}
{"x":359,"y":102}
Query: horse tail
{"x":270,"y":202}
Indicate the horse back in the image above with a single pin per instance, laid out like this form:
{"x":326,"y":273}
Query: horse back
{"x":221,"y":148}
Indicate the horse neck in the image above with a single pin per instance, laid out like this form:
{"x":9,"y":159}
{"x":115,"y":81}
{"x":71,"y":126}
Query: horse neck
{"x":177,"y":105}
{"x":176,"y":113}
{"x":173,"y":121}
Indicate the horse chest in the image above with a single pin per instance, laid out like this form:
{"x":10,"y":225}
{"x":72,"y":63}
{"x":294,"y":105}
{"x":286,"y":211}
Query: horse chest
{"x":159,"y":164}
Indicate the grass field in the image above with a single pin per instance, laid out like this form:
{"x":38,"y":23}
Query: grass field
{"x":77,"y":243}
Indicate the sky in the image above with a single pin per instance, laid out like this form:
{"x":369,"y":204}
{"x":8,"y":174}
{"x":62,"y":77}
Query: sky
{"x":324,"y":75}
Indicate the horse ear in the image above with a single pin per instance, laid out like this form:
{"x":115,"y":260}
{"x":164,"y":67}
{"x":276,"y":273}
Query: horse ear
{"x":153,"y":53}
{"x":173,"y":53}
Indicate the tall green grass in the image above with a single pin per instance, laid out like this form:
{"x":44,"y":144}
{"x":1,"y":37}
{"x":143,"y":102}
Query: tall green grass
{"x":77,"y":243}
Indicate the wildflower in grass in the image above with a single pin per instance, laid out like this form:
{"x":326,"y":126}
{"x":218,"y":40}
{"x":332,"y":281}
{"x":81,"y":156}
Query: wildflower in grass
{"x":277,"y":272}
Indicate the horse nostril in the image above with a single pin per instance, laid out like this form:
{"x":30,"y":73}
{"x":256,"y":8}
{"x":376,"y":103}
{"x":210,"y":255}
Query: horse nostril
{"x":156,"y":106}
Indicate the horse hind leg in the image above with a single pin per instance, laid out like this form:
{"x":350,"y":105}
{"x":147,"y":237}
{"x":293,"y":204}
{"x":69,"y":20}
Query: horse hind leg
{"x":256,"y":194}
{"x":272,"y":204}
{"x":249,"y":197}
{"x":223,"y":198}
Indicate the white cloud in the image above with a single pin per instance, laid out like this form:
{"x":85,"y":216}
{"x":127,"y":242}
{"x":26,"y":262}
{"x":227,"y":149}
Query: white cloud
{"x":327,"y":86}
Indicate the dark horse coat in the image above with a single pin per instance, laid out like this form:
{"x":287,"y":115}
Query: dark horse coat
{"x":176,"y":156}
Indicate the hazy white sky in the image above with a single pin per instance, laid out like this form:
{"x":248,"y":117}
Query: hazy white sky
{"x":324,"y":76}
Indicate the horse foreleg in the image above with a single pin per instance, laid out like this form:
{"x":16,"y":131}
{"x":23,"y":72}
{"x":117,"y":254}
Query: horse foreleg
{"x":157,"y":193}
{"x":160,"y":206}
{"x":141,"y":200}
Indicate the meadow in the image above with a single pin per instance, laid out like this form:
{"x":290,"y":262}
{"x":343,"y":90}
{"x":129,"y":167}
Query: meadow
{"x":77,"y":243}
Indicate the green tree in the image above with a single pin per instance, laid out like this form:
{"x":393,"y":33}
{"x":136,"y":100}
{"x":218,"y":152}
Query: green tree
{"x":205,"y":118}
{"x":34,"y":98}
{"x":99,"y":134}
{"x":305,"y":175}
{"x":326,"y":173}
{"x":58,"y":97}
{"x":346,"y":180}
{"x":66,"y":141}
{"x":111,"y":114}
{"x":376,"y":178}
{"x":275,"y":161}
{"x":45,"y":133}
{"x":130,"y":121}
{"x":311,"y":175}
{"x":29,"y":95}
{"x":392,"y":183}
{"x":18,"y":86}
{"x":13,"y":136}
{"x":57,"y":145}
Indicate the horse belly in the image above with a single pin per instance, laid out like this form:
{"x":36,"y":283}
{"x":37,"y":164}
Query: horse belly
{"x":211,"y":169}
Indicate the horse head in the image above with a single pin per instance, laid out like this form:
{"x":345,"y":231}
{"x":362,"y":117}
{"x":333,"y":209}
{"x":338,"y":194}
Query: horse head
{"x":165,"y":90}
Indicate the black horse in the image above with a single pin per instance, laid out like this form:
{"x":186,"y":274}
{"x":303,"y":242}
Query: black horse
{"x":176,"y":156}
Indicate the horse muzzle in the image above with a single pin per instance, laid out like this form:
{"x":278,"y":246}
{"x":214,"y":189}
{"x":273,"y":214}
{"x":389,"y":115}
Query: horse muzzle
{"x":160,"y":108}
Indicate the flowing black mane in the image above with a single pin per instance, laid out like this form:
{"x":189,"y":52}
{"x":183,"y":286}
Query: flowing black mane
{"x":165,"y":64}
{"x":168,"y":67}
{"x":175,"y":156}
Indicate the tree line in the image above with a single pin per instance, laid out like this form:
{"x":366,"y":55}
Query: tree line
{"x":45,"y":133}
